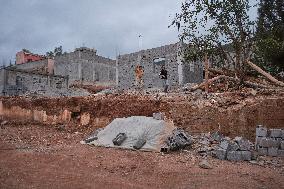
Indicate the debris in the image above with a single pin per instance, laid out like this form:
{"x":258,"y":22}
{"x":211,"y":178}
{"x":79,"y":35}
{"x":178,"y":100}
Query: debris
{"x":4,"y":122}
{"x":158,"y":116}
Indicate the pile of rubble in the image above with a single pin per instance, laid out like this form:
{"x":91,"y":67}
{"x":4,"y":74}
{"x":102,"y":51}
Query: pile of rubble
{"x":224,"y":148}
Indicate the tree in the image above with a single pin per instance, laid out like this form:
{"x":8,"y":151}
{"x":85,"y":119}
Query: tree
{"x":57,"y":52}
{"x":26,"y":51}
{"x":270,"y":35}
{"x":211,"y":27}
{"x":50,"y":54}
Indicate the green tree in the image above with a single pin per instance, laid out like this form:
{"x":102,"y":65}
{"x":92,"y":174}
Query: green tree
{"x":211,"y":27}
{"x":58,"y":51}
{"x":270,"y":35}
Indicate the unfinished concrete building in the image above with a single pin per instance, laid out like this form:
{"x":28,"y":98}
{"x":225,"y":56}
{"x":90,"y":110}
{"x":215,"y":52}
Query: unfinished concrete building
{"x":170,"y":56}
{"x":85,"y":66}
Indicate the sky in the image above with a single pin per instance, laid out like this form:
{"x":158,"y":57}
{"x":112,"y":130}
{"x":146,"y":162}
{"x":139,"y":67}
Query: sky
{"x":110,"y":26}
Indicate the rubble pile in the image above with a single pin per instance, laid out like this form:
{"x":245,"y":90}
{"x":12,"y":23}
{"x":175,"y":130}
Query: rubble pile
{"x":269,"y":141}
{"x":224,"y":148}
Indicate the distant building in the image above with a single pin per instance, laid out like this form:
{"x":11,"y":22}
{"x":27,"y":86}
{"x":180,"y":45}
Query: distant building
{"x":25,"y":56}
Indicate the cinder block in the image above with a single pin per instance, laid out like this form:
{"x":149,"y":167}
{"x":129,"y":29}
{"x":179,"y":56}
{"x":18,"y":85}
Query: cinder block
{"x":281,"y":153}
{"x":244,"y":144}
{"x":233,"y":146}
{"x":261,"y":131}
{"x":257,"y":140}
{"x":234,"y":156}
{"x":269,"y":142}
{"x":246,"y":155}
{"x":221,"y":153}
{"x":272,"y":152}
{"x":262,"y":151}
{"x":224,"y":144}
{"x":282,"y":145}
{"x":275,"y":133}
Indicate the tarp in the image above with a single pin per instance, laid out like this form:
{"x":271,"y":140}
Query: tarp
{"x":155,"y":132}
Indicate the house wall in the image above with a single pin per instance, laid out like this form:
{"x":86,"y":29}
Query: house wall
{"x":19,"y":82}
{"x":85,"y":66}
{"x":41,"y":66}
{"x":178,"y":71}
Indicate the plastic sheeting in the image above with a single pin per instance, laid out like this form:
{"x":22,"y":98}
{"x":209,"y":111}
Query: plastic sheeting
{"x":155,"y":132}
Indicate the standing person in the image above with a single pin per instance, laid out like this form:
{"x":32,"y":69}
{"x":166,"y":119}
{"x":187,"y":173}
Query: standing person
{"x":139,"y":72}
{"x":164,"y":76}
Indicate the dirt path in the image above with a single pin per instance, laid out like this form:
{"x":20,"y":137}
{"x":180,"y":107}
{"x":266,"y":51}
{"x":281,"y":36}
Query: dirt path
{"x":42,"y":157}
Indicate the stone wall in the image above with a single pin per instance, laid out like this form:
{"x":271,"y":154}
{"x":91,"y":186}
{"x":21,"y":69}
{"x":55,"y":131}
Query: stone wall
{"x":84,"y":65}
{"x":152,"y":60}
{"x":19,"y":82}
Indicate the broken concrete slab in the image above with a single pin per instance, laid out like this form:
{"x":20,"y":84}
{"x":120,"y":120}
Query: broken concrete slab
{"x":244,"y":144}
{"x":239,"y":156}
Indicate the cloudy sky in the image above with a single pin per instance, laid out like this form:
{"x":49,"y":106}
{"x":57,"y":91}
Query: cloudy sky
{"x":110,"y":26}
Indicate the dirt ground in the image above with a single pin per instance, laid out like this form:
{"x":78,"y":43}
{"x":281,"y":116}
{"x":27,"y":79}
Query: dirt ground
{"x":36,"y":156}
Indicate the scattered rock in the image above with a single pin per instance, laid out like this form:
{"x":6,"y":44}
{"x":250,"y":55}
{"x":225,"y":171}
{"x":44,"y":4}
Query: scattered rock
{"x":204,"y":164}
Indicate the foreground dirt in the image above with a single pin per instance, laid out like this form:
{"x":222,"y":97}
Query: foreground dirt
{"x":33,"y":156}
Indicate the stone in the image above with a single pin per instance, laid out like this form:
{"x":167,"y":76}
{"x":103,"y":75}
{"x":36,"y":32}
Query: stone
{"x":262,"y":151}
{"x":4,"y":122}
{"x":261,"y":131}
{"x":269,"y":142}
{"x":275,"y":133}
{"x":158,"y":116}
{"x":257,"y":140}
{"x":220,"y":153}
{"x":243,"y":143}
{"x":272,"y":152}
{"x":205,"y":165}
{"x":281,"y":153}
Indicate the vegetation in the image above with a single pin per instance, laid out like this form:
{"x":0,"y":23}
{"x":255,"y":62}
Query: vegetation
{"x":269,"y":52}
{"x":209,"y":26}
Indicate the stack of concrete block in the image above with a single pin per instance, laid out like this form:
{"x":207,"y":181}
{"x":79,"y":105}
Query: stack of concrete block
{"x":269,"y":142}
{"x":238,"y":149}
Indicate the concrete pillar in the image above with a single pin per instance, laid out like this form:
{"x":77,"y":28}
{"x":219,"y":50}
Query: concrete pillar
{"x":180,"y":65}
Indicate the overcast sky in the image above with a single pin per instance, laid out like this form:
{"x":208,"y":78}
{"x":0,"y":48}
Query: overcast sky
{"x":107,"y":25}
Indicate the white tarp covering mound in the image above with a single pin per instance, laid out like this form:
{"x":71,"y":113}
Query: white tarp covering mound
{"x":155,"y":132}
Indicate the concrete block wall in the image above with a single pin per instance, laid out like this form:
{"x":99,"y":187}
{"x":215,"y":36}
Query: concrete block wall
{"x":36,"y":66}
{"x":19,"y":82}
{"x":192,"y":72}
{"x":178,"y":72}
{"x":269,"y":142}
{"x":85,"y":66}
